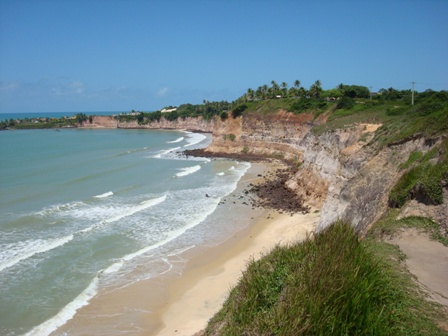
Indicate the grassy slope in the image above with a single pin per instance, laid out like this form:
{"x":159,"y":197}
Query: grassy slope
{"x":334,"y":284}
{"x":337,"y":284}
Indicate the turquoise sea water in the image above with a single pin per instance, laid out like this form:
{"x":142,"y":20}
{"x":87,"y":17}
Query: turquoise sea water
{"x":82,"y":210}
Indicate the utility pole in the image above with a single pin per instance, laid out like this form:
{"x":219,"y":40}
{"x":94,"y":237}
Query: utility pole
{"x":413,"y":93}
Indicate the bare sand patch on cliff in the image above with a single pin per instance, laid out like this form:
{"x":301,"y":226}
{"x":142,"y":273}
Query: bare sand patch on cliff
{"x":427,"y":260}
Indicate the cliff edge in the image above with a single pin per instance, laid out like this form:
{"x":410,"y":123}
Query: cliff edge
{"x":342,"y":171}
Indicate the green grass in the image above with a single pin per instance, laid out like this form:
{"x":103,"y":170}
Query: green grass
{"x":333,"y":284}
{"x":424,"y":180}
{"x":400,"y":120}
{"x":267,"y":106}
{"x":413,"y":157}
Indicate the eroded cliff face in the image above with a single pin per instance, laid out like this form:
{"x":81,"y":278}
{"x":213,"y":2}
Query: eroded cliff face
{"x":339,"y":172}
{"x":274,"y":134}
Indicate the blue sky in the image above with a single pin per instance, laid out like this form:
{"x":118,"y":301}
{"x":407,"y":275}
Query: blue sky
{"x":117,"y":55}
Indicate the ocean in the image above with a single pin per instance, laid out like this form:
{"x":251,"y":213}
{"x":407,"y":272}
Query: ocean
{"x":85,"y":210}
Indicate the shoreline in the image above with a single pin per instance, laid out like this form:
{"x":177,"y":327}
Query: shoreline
{"x":157,"y":306}
{"x":208,"y":277}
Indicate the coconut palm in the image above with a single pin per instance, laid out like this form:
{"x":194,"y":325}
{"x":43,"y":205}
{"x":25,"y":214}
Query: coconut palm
{"x":284,"y":88}
{"x":316,"y":89}
{"x":250,"y":94}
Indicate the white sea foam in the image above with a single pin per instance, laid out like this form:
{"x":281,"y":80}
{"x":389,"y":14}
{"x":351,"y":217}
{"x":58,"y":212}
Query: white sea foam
{"x":60,"y":208}
{"x":137,"y":208}
{"x":220,"y":174}
{"x":165,"y":152}
{"x":194,"y":139}
{"x":67,"y":312}
{"x":115,"y":267}
{"x":121,"y":211}
{"x":14,"y":253}
{"x":188,"y":170}
{"x":177,"y":140}
{"x":107,"y":194}
{"x":170,"y":235}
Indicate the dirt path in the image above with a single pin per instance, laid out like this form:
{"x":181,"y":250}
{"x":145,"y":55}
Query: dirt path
{"x":427,"y":260}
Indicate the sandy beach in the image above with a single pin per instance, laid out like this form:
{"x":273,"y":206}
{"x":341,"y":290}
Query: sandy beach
{"x":200,"y":292}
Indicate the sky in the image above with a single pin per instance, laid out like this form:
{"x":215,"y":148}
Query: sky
{"x":119,"y":55}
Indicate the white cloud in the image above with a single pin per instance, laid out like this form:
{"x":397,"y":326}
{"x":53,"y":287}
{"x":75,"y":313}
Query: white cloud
{"x":9,"y":86}
{"x":67,"y":88}
{"x":162,"y":92}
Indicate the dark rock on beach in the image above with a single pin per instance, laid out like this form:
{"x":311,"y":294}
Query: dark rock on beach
{"x":272,"y":192}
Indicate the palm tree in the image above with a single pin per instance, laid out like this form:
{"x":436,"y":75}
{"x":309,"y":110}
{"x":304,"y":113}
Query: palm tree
{"x":284,"y":88}
{"x":250,"y":94}
{"x":296,"y":83}
{"x":259,"y":93}
{"x":265,"y":90}
{"x":274,"y":89}
{"x":316,"y":89}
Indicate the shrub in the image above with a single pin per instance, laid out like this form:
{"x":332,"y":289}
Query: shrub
{"x":223,"y":116}
{"x":345,"y":103}
{"x":301,"y":105}
{"x":231,"y":137}
{"x":238,"y":111}
{"x":423,"y":182}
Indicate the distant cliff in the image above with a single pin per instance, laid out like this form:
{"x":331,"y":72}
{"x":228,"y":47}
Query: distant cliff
{"x":191,"y":124}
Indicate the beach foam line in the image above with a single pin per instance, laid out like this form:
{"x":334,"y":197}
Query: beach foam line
{"x":188,"y":170}
{"x":194,"y":139}
{"x":171,"y":235}
{"x":107,"y":194}
{"x":125,"y":213}
{"x":177,"y":140}
{"x":142,"y":206}
{"x":165,"y":152}
{"x":59,"y":208}
{"x":25,"y":250}
{"x":67,"y":312}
